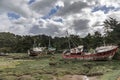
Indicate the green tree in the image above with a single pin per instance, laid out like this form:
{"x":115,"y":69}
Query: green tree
{"x":112,"y":30}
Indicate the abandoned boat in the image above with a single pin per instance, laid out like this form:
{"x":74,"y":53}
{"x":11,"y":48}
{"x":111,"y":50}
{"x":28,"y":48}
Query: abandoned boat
{"x":36,"y":51}
{"x":100,"y":53}
{"x":50,"y":50}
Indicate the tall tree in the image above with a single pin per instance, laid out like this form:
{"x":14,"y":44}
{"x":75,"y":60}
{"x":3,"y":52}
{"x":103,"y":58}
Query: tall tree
{"x":112,"y":29}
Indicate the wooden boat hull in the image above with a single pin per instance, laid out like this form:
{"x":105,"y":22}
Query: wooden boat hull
{"x":107,"y":55}
{"x":34,"y":53}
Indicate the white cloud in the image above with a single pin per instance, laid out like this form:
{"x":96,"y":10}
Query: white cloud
{"x":71,"y":8}
{"x":18,"y":6}
{"x":115,"y":3}
{"x":77,"y":16}
{"x":43,"y":6}
{"x":114,"y":15}
{"x":59,"y":3}
{"x":4,"y":23}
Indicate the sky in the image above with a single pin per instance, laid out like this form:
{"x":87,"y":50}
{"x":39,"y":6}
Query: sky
{"x":55,"y":17}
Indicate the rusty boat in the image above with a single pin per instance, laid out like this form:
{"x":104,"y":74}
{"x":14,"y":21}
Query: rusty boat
{"x":100,"y":53}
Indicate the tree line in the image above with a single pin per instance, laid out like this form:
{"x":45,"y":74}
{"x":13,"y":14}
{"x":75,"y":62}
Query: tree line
{"x":12,"y":43}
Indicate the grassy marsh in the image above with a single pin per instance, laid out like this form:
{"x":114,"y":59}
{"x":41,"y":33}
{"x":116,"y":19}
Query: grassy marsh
{"x":22,"y":67}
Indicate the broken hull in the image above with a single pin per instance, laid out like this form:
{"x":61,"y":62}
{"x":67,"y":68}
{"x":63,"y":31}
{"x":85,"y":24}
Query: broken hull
{"x":34,"y":53}
{"x":107,"y":55}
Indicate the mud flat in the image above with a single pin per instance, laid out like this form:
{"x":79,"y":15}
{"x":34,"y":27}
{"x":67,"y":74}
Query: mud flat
{"x":118,"y":78}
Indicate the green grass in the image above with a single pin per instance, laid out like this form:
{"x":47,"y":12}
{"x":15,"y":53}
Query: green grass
{"x":113,"y":75}
{"x":22,"y":67}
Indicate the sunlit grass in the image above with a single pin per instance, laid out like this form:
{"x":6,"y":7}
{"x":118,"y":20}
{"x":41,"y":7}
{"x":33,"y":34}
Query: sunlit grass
{"x":6,"y":63}
{"x":113,"y":75}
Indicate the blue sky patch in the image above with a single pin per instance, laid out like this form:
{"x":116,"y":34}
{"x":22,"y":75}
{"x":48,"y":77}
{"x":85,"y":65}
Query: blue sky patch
{"x":103,"y":8}
{"x":31,"y":1}
{"x":12,"y":15}
{"x":117,"y":9}
{"x":52,"y":12}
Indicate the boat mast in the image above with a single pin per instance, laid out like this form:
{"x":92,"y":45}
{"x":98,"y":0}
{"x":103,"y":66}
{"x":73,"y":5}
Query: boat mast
{"x":104,"y":43}
{"x":68,"y":40}
{"x":34,"y":45}
{"x":49,"y":43}
{"x":69,"y":44}
{"x":104,"y":39}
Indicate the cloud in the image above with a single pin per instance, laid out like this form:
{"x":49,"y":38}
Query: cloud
{"x":4,"y":23}
{"x":46,"y":27}
{"x":51,"y":13}
{"x":71,"y":8}
{"x":114,"y":14}
{"x":103,"y":8}
{"x":31,"y":1}
{"x":42,"y":6}
{"x":77,"y":16}
{"x":15,"y":6}
{"x":8,"y":26}
{"x":80,"y":25}
{"x":114,"y":3}
{"x":12,"y":15}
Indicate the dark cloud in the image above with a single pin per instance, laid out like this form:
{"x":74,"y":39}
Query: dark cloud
{"x":75,"y":7}
{"x":43,"y":6}
{"x":50,"y":29}
{"x":81,"y":24}
{"x":97,"y":23}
